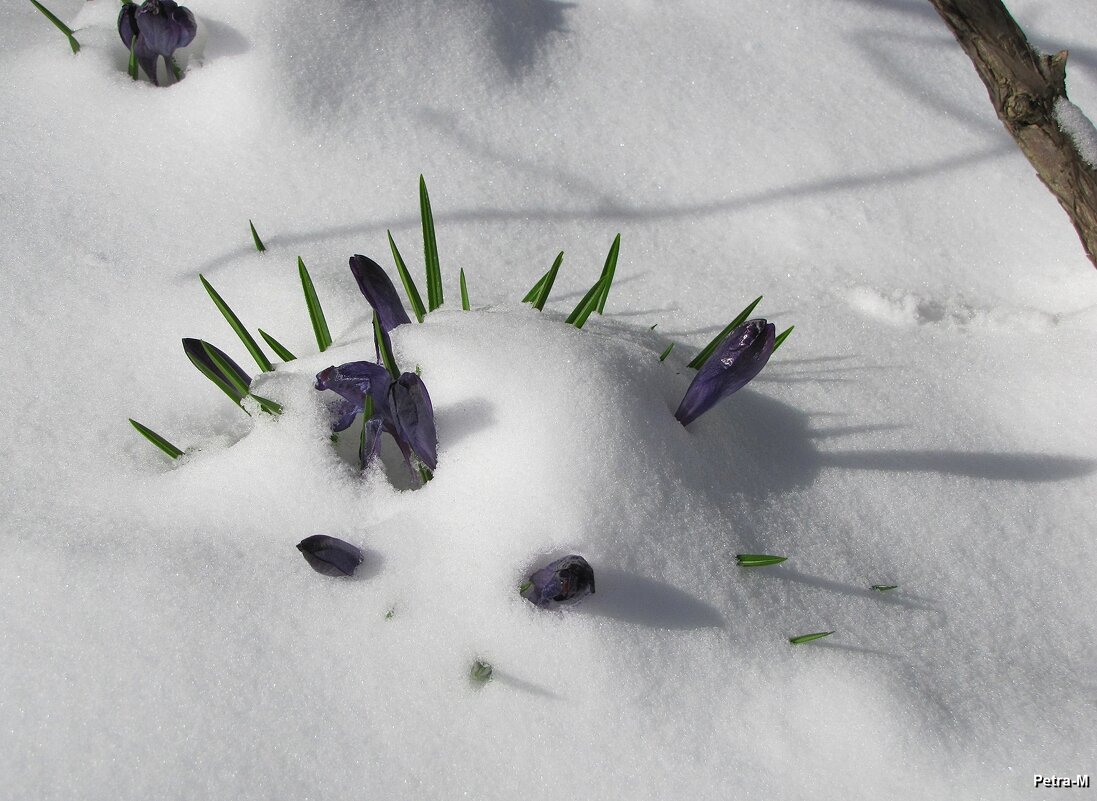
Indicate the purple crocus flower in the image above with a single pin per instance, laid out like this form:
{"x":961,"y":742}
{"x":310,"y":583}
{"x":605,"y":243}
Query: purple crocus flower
{"x":740,"y":357}
{"x":569,"y":578}
{"x":155,"y":28}
{"x":330,"y":555}
{"x":381,"y":294}
{"x":352,"y":382}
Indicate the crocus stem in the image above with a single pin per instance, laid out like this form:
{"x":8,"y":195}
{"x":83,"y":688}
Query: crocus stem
{"x":65,"y":29}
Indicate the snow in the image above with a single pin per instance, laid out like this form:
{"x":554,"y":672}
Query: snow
{"x":1076,"y":124}
{"x":928,"y":423}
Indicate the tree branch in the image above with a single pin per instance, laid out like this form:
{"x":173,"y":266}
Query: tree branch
{"x":1024,"y":86}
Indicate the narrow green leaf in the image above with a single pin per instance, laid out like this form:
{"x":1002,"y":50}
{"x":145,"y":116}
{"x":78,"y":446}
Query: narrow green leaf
{"x":226,"y":369}
{"x":175,"y":71}
{"x":481,"y":671}
{"x":546,"y":287}
{"x":781,"y":338}
{"x":267,"y":405}
{"x":234,"y":321}
{"x":608,"y":270}
{"x":156,"y":440}
{"x":131,"y":67}
{"x":65,"y":29}
{"x":389,"y":614}
{"x":884,"y":587}
{"x":316,"y":312}
{"x":711,"y":347}
{"x":255,"y":236}
{"x":588,"y":304}
{"x":409,"y":285}
{"x":809,"y":637}
{"x":430,"y":249}
{"x":525,"y":585}
{"x":281,"y":350}
{"x":424,"y":473}
{"x":532,"y":294}
{"x":758,"y":559}
{"x":464,"y":292}
{"x":384,"y":346}
{"x":217,"y":380}
{"x":653,"y":327}
{"x":666,"y":353}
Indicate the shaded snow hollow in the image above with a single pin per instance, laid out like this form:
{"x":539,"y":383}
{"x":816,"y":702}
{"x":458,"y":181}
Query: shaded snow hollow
{"x":928,"y":424}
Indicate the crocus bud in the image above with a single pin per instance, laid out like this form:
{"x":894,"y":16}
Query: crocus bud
{"x":155,"y":28}
{"x":379,"y":291}
{"x":565,"y":579}
{"x":330,"y":556}
{"x":740,"y":357}
{"x":413,"y":417}
{"x":196,"y":352}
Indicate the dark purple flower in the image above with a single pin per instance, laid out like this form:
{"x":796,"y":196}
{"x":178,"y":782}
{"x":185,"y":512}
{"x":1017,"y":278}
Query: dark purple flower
{"x":413,"y":417}
{"x":330,"y":556}
{"x":379,"y":291}
{"x":352,"y":382}
{"x":196,"y":352}
{"x":160,"y":27}
{"x":565,"y":579}
{"x":740,"y":357}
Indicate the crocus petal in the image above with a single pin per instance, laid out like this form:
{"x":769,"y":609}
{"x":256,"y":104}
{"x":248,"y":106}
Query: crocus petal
{"x":352,"y":382}
{"x":147,"y":59}
{"x":565,"y":579}
{"x":740,"y":357}
{"x":164,"y":26}
{"x":370,"y":443}
{"x":127,"y":23}
{"x":330,"y":556}
{"x":197,"y":354}
{"x":413,"y":416}
{"x":379,"y":291}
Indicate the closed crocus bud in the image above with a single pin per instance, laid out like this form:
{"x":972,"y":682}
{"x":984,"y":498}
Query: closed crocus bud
{"x":197,"y":352}
{"x":127,"y":23}
{"x":413,"y":416}
{"x":330,"y":556}
{"x":565,"y":579}
{"x":740,"y":357}
{"x":165,"y":26}
{"x":379,"y":291}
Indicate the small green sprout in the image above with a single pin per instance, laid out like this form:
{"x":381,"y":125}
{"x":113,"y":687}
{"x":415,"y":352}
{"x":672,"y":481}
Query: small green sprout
{"x":665,"y":353}
{"x":481,"y":672}
{"x":464,"y":292}
{"x":758,"y":559}
{"x":156,"y":440}
{"x":430,"y":249}
{"x":280,"y":350}
{"x":809,"y":637}
{"x":65,"y":29}
{"x":884,"y":587}
{"x":234,"y":321}
{"x":255,"y":238}
{"x":316,"y":312}
{"x":711,"y":347}
{"x":781,"y":338}
{"x":544,"y":286}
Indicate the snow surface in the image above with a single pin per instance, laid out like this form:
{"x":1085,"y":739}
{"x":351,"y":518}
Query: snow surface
{"x":1076,"y":124}
{"x":928,"y":424}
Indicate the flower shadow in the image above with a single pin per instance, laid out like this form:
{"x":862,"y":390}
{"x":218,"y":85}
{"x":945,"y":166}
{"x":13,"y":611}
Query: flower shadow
{"x":631,"y":598}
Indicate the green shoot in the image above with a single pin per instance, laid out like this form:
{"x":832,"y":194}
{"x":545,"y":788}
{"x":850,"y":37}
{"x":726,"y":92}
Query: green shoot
{"x":430,"y":249}
{"x":586,"y":306}
{"x":666,"y":353}
{"x":409,"y":285}
{"x":221,"y":383}
{"x":424,"y":473}
{"x":809,"y":637}
{"x":385,"y":347}
{"x":653,"y":327}
{"x":234,"y":321}
{"x":525,"y":585}
{"x":389,"y":614}
{"x":758,"y":559}
{"x":280,"y":350}
{"x":781,"y":338}
{"x":546,"y":285}
{"x":267,"y":405}
{"x":464,"y":292}
{"x":65,"y":29}
{"x":481,"y":672}
{"x":131,"y":67}
{"x":532,"y":294}
{"x":156,"y":440}
{"x":316,"y":313}
{"x":608,"y":270}
{"x":711,"y":347}
{"x":884,"y":587}
{"x":255,"y":237}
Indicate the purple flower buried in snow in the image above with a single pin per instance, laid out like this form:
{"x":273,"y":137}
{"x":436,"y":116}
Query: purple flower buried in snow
{"x":565,"y":579}
{"x":740,"y":357}
{"x":155,"y":28}
{"x":401,"y":407}
{"x":330,"y":556}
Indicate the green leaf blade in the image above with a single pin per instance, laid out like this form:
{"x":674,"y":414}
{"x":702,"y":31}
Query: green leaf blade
{"x":156,"y":439}
{"x":234,"y":322}
{"x":532,"y":294}
{"x":464,"y":293}
{"x":412,"y":291}
{"x":316,"y":311}
{"x":607,"y":272}
{"x":711,"y":347}
{"x":780,"y":338}
{"x":546,"y":283}
{"x":663,"y":356}
{"x":65,"y":29}
{"x":384,"y":346}
{"x":884,"y":587}
{"x":758,"y":559}
{"x":279,"y":349}
{"x":430,"y":249}
{"x":259,"y":246}
{"x":809,"y":637}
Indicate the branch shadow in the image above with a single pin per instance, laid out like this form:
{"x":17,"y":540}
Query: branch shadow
{"x":1029,"y":468}
{"x":520,"y":30}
